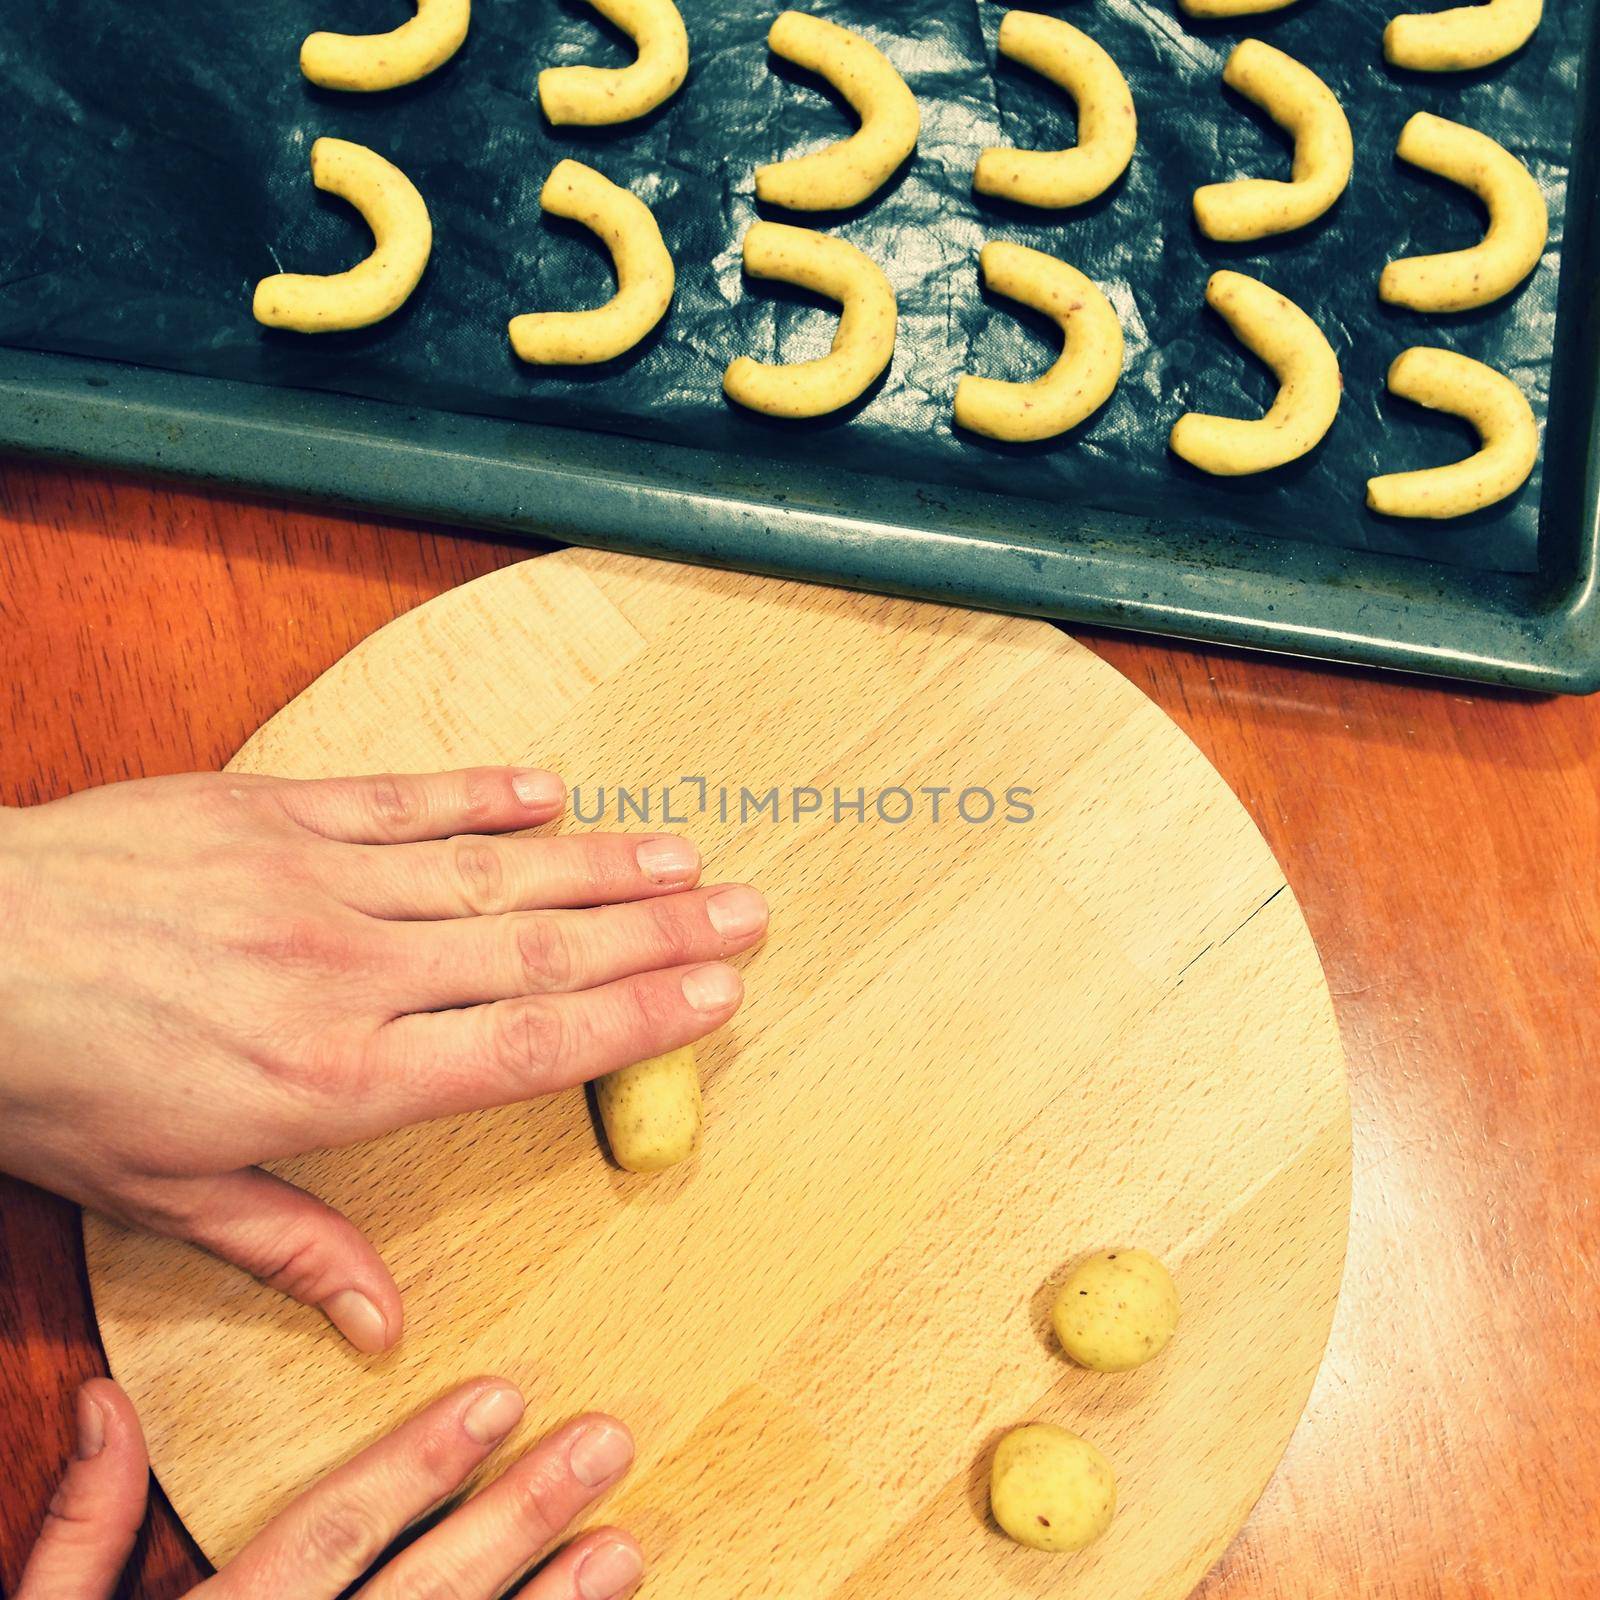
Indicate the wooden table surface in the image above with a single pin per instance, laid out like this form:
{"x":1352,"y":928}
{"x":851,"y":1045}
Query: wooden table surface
{"x":1444,"y":842}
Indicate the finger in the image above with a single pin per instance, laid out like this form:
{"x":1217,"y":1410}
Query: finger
{"x":293,"y":1243}
{"x":561,"y":952}
{"x":436,"y":1064}
{"x":335,"y":1531}
{"x":482,"y":1548}
{"x":475,"y":876}
{"x":95,"y":1515}
{"x":603,"y":1565}
{"x":399,"y":807}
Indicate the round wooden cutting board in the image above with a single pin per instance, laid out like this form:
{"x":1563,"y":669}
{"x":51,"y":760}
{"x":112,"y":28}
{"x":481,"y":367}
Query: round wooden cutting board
{"x":973,"y":1050}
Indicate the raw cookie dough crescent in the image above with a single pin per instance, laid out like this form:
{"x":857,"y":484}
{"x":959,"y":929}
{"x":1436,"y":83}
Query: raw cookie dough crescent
{"x":1300,"y":102}
{"x":1210,"y":9}
{"x":862,"y":346}
{"x":1083,"y":376}
{"x":851,"y":170}
{"x":1493,"y":404}
{"x":372,"y":289}
{"x":598,"y":96}
{"x":1282,"y":335}
{"x":1463,"y":37}
{"x":1519,"y":222}
{"x":645,"y":277}
{"x":365,"y":62}
{"x":1108,"y":127}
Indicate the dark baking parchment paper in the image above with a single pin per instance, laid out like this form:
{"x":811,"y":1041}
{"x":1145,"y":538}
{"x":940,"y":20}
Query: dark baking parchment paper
{"x":156,"y":167}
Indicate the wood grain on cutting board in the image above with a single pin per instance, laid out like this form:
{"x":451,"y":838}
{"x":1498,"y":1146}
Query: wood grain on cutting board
{"x":970,"y":1053}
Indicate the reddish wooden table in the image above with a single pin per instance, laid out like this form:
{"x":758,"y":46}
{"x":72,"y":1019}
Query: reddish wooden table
{"x":1444,"y":842}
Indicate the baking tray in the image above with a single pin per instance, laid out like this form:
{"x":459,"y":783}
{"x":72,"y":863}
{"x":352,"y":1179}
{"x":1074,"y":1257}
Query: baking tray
{"x":141,"y":205}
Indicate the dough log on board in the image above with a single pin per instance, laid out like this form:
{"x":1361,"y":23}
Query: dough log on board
{"x":651,"y":1111}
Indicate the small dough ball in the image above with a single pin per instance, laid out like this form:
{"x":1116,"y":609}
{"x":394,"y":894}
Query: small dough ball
{"x":1117,"y":1310}
{"x":1051,"y":1490}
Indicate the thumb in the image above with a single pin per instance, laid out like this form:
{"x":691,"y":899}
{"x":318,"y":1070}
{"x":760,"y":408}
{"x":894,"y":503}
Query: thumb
{"x":95,"y":1514}
{"x":292,"y":1242}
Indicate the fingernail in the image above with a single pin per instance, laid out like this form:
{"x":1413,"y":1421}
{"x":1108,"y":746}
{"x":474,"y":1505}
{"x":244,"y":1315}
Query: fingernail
{"x":361,"y":1322}
{"x":598,"y":1454}
{"x":537,"y":789}
{"x":669,"y":861}
{"x":738,"y":912}
{"x":608,"y":1570}
{"x":492,"y":1415}
{"x":91,"y":1428}
{"x":712,"y":988}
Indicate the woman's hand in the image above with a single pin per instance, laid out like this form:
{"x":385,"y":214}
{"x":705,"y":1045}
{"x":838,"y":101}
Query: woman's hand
{"x":332,"y":1535}
{"x":201,"y":973}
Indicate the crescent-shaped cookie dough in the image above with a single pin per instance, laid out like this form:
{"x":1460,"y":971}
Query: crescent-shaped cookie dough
{"x":1210,"y":9}
{"x":1518,"y":221}
{"x":1461,"y":38}
{"x":597,"y":96}
{"x":365,"y":62}
{"x":643,"y":265}
{"x":849,"y":171}
{"x":1084,"y":374}
{"x":862,"y":344}
{"x":1492,"y":403}
{"x":1107,"y":125}
{"x":372,"y":289}
{"x":1300,"y":102}
{"x":1283,"y":336}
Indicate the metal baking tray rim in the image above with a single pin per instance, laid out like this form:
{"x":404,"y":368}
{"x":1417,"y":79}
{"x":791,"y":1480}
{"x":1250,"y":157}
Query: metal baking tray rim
{"x":1537,"y":631}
